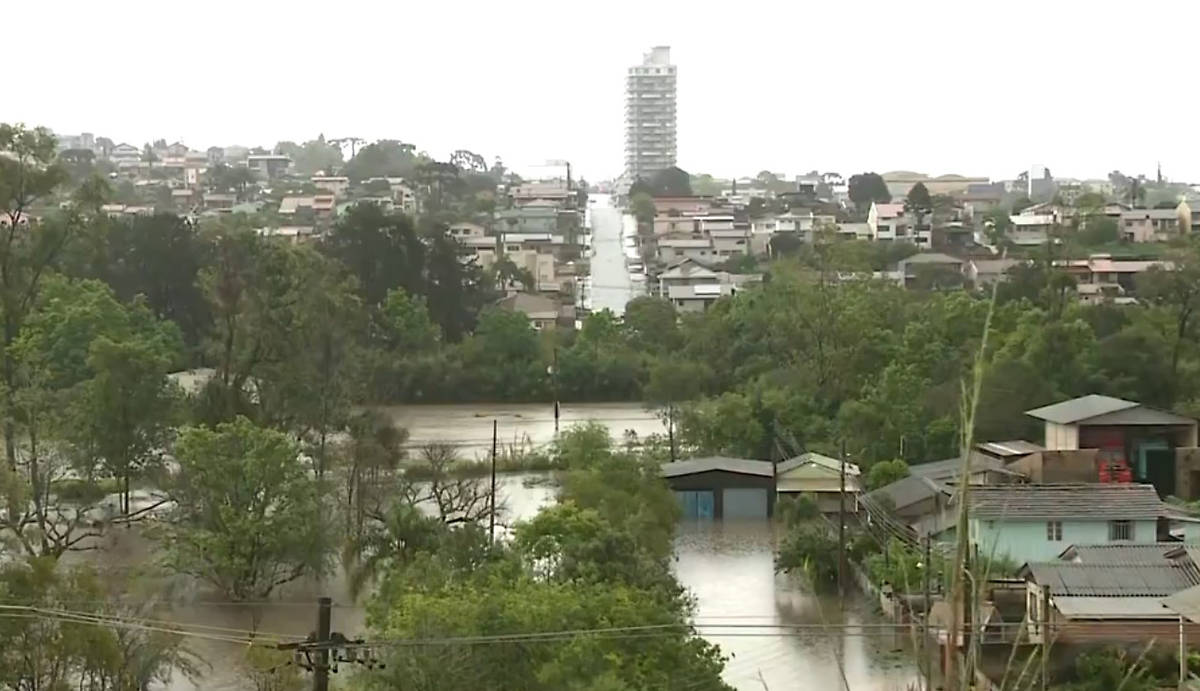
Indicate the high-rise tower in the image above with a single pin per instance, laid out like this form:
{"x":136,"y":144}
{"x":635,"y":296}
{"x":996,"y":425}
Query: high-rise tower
{"x":650,"y":115}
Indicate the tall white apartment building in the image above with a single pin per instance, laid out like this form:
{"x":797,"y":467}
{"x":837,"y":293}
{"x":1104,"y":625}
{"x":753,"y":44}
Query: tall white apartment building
{"x":650,"y":115}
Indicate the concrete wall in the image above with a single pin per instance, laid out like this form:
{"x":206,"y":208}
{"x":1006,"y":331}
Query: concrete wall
{"x":1024,"y":541}
{"x":1058,"y":466}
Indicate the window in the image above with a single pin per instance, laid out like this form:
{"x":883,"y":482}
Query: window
{"x":1054,"y":531}
{"x":1120,"y":530}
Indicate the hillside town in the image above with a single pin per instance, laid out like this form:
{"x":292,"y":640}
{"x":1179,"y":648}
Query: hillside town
{"x":495,"y":427}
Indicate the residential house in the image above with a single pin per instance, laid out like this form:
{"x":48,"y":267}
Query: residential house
{"x":527,"y":219}
{"x":291,"y":234}
{"x":556,"y":191}
{"x":125,"y":156}
{"x":1036,"y":522}
{"x":982,"y":469}
{"x":1031,"y":230}
{"x":909,"y":270}
{"x":322,"y":206}
{"x":1152,"y":225}
{"x":1114,"y":594}
{"x":983,"y":273}
{"x":889,"y":222}
{"x":1100,"y":278}
{"x":336,"y":185}
{"x":982,"y":197}
{"x":219,"y":201}
{"x":484,"y":249}
{"x":543,"y":312}
{"x":403,"y":194}
{"x":722,"y":488}
{"x":268,"y":166}
{"x":677,"y":246}
{"x":820,"y":478}
{"x":854,"y":231}
{"x":915,"y":501}
{"x":466,"y":229}
{"x":1103,"y":439}
{"x":184,"y":199}
{"x":683,"y":205}
{"x":536,"y":253}
{"x":692,"y":286}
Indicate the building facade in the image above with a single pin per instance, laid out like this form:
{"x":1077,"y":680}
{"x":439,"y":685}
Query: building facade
{"x":650,"y":115}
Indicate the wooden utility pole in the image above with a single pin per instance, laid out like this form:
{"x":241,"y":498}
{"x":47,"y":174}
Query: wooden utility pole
{"x":492,"y":501}
{"x":321,"y":668}
{"x":1045,"y":634}
{"x":555,"y":369}
{"x":926,"y":658}
{"x":842,"y":524}
{"x":1182,"y":640}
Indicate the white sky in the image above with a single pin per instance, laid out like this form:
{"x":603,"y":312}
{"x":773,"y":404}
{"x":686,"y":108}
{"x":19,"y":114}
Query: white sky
{"x":966,"y":86}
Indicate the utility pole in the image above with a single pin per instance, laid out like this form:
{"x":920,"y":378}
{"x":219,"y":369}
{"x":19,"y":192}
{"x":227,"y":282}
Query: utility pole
{"x":671,"y":428}
{"x":1045,"y":633}
{"x":555,"y":374}
{"x":492,"y":501}
{"x":926,"y":658}
{"x":842,"y":524}
{"x":321,"y":669}
{"x":1182,"y":640}
{"x":968,"y":605}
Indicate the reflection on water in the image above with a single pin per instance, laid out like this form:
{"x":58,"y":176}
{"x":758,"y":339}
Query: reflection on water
{"x":728,"y":567}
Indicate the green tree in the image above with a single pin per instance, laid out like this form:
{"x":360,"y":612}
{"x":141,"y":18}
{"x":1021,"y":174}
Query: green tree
{"x":671,"y":182}
{"x":127,"y":410}
{"x":384,"y":158}
{"x":382,"y":250}
{"x":1175,"y":293}
{"x":641,"y":205}
{"x":885,"y":473}
{"x":1099,"y":230}
{"x":652,"y":325}
{"x":918,"y":200}
{"x":404,"y":325}
{"x":865,"y":188}
{"x":248,"y":516}
{"x":28,"y":174}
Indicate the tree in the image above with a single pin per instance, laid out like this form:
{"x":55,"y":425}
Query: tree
{"x":643,"y":209}
{"x":505,"y":357}
{"x":651,"y":325}
{"x":126,"y":411}
{"x":28,"y":251}
{"x":384,"y":158}
{"x":403,"y":324}
{"x":382,"y":250}
{"x":1176,"y":293}
{"x":865,"y":188}
{"x":885,"y":473}
{"x":248,"y":516}
{"x":671,"y":182}
{"x":41,"y":651}
{"x":1099,"y":230}
{"x":918,"y":199}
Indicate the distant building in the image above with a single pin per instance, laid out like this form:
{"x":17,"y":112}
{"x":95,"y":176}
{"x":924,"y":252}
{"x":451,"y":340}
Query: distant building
{"x":333,"y":184}
{"x":1152,"y":225}
{"x":889,"y":222}
{"x":543,"y":312}
{"x":650,"y":144}
{"x":692,"y":286}
{"x":268,"y":166}
{"x":899,"y":182}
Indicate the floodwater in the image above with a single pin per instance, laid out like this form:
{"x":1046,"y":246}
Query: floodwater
{"x":741,"y":604}
{"x":609,"y":286}
{"x":469,"y":426}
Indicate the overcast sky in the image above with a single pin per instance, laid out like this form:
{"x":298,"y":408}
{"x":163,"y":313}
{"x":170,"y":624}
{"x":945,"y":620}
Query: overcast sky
{"x":972,"y":87}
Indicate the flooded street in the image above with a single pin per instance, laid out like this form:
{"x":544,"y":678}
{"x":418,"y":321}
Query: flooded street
{"x":728,"y":568}
{"x":609,"y":286}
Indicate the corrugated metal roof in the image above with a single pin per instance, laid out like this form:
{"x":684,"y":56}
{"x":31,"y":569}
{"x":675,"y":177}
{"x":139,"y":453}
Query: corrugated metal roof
{"x":1140,"y":415}
{"x":816,"y":459}
{"x":1016,"y":447}
{"x":910,"y":490}
{"x":1185,"y":602}
{"x":1080,"y":408}
{"x":742,"y":466}
{"x":949,"y":468}
{"x":1151,"y":554}
{"x":1095,"y":501}
{"x":1076,"y":607}
{"x":1107,"y":580}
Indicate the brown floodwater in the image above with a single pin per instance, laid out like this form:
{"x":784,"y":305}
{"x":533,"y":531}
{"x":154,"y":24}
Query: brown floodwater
{"x":728,"y":567}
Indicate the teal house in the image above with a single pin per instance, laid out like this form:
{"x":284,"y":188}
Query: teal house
{"x":1031,"y":523}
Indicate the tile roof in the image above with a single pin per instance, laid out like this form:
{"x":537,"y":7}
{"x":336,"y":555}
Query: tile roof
{"x":741,"y":466}
{"x":1080,"y":408}
{"x":1107,"y":580}
{"x":1092,"y":607}
{"x":1186,"y":603}
{"x":1075,"y":500}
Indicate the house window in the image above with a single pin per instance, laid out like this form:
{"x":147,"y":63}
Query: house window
{"x":1120,"y":530}
{"x":1054,"y":531}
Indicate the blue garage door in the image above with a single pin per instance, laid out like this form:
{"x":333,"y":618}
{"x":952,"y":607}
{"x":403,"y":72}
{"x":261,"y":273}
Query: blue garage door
{"x":744,"y":503}
{"x":696,"y":504}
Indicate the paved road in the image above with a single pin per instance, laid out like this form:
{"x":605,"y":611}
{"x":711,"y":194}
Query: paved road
{"x":610,"y":284}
